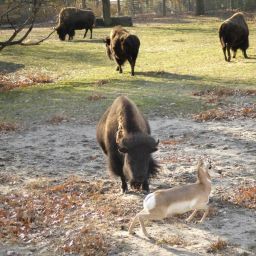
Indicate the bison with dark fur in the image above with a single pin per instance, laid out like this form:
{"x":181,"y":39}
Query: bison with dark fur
{"x":234,"y":35}
{"x":122,"y":46}
{"x":71,"y":19}
{"x":124,"y":135}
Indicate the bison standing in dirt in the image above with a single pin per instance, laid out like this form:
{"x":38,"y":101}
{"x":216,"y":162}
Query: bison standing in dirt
{"x":71,"y":19}
{"x":234,"y":34}
{"x":124,"y":135}
{"x":122,"y":46}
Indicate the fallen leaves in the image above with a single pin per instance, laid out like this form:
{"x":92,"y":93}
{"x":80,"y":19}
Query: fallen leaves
{"x":11,"y":81}
{"x":85,"y":210}
{"x":96,"y":97}
{"x":58,"y":119}
{"x":243,"y":196}
{"x":8,"y":127}
{"x":219,"y":245}
{"x":226,"y":114}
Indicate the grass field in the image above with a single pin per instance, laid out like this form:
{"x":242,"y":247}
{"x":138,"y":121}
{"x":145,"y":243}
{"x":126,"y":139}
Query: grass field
{"x":175,"y":62}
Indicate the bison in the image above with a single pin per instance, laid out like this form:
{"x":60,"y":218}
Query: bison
{"x":122,"y":46}
{"x":124,"y":136}
{"x":71,"y":18}
{"x":234,"y":34}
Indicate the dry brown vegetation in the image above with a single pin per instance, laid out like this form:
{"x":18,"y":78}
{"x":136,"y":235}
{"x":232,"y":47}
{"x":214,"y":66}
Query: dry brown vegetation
{"x":244,"y":196}
{"x":58,"y":119}
{"x":226,"y":114}
{"x":172,"y":240}
{"x":219,"y":245}
{"x":224,"y":92}
{"x":78,"y":212}
{"x":96,"y":97}
{"x":11,"y":81}
{"x":8,"y":127}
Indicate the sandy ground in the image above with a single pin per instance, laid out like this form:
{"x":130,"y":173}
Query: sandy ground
{"x":68,"y":149}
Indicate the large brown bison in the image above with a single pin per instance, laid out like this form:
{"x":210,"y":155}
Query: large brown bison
{"x":122,"y":46}
{"x":124,"y":135}
{"x":71,"y":19}
{"x":234,"y":34}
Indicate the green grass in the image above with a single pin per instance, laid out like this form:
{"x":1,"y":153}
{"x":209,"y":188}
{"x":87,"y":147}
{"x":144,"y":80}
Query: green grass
{"x":175,"y":60}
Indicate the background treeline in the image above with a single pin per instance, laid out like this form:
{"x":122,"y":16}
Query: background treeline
{"x":51,"y":8}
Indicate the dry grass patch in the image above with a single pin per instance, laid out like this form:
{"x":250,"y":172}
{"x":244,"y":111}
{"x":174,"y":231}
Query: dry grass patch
{"x":171,"y":142}
{"x":11,"y":81}
{"x":226,"y":114}
{"x":58,"y":119}
{"x":217,"y":246}
{"x":244,"y":196}
{"x":225,"y":92}
{"x":101,"y":82}
{"x":8,"y":127}
{"x":172,"y":240}
{"x":33,"y":214}
{"x":96,"y":97}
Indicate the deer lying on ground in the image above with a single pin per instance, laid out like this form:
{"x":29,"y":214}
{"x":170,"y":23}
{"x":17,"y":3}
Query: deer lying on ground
{"x":167,"y":202}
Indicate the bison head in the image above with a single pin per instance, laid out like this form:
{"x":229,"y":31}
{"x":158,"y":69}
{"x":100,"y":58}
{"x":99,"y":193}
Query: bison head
{"x":136,"y":149}
{"x":61,"y":31}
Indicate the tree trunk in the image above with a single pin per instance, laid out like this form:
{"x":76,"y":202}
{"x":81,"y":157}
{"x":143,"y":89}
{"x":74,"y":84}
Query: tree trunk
{"x":118,"y":8}
{"x":83,"y":4}
{"x":164,"y":7}
{"x":199,"y":7}
{"x":106,"y":12}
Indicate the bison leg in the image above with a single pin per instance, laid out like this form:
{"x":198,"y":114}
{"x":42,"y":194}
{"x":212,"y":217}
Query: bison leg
{"x":71,"y":34}
{"x":145,"y":186}
{"x":229,"y":55}
{"x":124,"y":184}
{"x":224,"y":52}
{"x":115,"y":166}
{"x":91,"y":33}
{"x":234,"y":54}
{"x":245,"y":54}
{"x":119,"y":68}
{"x":86,"y":30}
{"x":132,"y":63}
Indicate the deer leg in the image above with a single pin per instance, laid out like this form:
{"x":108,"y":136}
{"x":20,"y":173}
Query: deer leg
{"x":205,"y":214}
{"x":140,"y":217}
{"x":192,"y":215}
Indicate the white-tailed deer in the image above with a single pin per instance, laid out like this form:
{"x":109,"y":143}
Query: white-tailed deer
{"x":167,"y":202}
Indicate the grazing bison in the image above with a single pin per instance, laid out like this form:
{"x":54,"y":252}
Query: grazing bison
{"x":122,"y":46}
{"x":124,"y":136}
{"x":71,"y":18}
{"x":234,"y":34}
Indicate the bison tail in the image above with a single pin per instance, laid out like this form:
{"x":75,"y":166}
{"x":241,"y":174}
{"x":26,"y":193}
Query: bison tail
{"x":223,"y":44}
{"x":153,"y":168}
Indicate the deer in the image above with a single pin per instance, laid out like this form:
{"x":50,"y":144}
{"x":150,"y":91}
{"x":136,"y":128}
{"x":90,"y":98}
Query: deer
{"x":178,"y":200}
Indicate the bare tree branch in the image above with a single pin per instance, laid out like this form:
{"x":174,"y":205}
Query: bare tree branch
{"x":36,"y":5}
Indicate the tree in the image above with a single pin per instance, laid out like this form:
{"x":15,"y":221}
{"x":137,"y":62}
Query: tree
{"x":200,"y":7}
{"x":21,"y":31}
{"x":106,"y":12}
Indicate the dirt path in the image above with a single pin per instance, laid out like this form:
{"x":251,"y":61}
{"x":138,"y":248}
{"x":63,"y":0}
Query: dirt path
{"x":70,"y":149}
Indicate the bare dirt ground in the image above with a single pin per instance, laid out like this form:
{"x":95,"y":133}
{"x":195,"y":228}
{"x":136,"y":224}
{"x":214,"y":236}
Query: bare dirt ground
{"x":39,"y":162}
